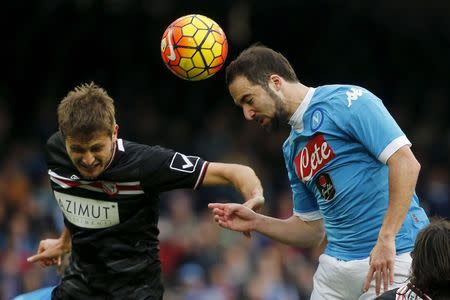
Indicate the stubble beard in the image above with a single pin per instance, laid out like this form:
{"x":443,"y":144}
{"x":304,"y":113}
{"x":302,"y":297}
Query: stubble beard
{"x":280,"y":116}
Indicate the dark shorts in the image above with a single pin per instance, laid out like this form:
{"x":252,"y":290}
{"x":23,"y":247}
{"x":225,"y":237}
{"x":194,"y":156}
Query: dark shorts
{"x":75,"y":289}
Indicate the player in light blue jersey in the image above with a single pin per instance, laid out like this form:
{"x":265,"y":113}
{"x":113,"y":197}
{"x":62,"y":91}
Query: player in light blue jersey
{"x":351,"y":171}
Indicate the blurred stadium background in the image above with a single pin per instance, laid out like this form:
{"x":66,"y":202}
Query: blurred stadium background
{"x":398,"y":49}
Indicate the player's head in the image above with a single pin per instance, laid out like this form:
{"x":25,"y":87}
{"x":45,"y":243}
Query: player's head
{"x":430,"y":267}
{"x":255,"y":80}
{"x":86,"y":118}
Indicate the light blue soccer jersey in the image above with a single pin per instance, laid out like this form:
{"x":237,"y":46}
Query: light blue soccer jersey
{"x":336,"y":154}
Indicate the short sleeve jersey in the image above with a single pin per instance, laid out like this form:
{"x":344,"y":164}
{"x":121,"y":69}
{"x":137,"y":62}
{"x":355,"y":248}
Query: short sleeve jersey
{"x":336,"y":155}
{"x":113,"y":219}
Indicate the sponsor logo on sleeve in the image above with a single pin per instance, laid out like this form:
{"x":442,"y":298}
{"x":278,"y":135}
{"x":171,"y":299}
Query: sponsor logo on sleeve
{"x":313,"y":157}
{"x":183,"y":163}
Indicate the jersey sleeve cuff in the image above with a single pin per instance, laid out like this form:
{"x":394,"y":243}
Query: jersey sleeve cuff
{"x":201,"y":175}
{"x":393,"y":147}
{"x":309,"y":216}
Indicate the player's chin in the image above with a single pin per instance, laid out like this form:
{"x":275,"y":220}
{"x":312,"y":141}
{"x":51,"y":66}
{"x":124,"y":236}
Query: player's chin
{"x":91,"y":174}
{"x":267,"y":126}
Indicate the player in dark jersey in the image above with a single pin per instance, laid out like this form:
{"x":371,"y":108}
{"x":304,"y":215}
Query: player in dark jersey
{"x":430,"y":267}
{"x":107,"y":189}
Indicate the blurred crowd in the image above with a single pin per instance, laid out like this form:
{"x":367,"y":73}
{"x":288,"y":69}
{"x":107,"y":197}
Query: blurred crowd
{"x":399,"y":56}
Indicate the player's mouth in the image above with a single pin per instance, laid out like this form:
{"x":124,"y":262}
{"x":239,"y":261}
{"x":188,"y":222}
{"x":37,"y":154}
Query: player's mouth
{"x":90,"y":168}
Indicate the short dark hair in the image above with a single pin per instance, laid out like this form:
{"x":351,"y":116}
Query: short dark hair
{"x":430,"y":267}
{"x":257,"y":63}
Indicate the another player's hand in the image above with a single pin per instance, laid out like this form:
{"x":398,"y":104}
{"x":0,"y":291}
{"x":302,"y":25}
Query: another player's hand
{"x":233,"y":216}
{"x":381,"y":265}
{"x":256,"y":203}
{"x":49,"y":253}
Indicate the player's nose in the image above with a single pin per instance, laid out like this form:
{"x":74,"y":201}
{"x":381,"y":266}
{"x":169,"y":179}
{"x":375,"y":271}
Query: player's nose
{"x":88,"y":159}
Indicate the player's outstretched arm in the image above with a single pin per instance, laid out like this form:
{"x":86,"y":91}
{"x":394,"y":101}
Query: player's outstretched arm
{"x":243,"y":178}
{"x":292,"y":231}
{"x":50,"y":251}
{"x":403,"y":173}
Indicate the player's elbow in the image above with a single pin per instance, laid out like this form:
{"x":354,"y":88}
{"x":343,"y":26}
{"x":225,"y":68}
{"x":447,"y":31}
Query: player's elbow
{"x":316,"y":238}
{"x":311,"y":234}
{"x":416,"y":166}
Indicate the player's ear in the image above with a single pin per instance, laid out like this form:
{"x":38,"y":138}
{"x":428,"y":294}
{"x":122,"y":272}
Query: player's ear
{"x":115,"y":132}
{"x":275,"y":81}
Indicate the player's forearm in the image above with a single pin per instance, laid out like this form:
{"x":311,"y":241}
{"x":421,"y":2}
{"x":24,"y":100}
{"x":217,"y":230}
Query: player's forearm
{"x":403,"y":173}
{"x":243,"y":178}
{"x":292,"y":231}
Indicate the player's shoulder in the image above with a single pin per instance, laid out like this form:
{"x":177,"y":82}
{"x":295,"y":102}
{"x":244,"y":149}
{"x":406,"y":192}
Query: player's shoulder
{"x":55,"y":151}
{"x":143,"y":154}
{"x":55,"y":141}
{"x":338,"y":97}
{"x":336,"y":92}
{"x":135,"y":148}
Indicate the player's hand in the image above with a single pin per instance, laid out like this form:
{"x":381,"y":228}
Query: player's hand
{"x":381,"y":265}
{"x":233,"y":216}
{"x":49,"y":253}
{"x":256,"y":203}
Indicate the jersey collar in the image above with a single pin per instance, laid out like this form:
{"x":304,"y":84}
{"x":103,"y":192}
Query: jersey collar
{"x":296,"y":121}
{"x":115,"y":145}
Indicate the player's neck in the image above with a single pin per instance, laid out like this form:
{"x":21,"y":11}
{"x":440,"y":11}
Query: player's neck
{"x":295,"y":95}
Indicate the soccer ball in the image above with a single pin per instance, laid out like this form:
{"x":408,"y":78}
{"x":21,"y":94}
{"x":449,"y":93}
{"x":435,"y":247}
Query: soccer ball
{"x":194,"y":47}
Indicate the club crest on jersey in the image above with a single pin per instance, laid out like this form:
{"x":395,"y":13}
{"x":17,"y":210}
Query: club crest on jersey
{"x":183,"y":163}
{"x":316,"y":119}
{"x":110,"y":188}
{"x":325,"y":186}
{"x":313,"y":157}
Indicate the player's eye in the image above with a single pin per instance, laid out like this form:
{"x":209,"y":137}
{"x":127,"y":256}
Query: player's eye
{"x":97,"y":149}
{"x":77,"y":150}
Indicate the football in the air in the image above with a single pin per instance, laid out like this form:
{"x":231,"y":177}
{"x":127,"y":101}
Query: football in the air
{"x":194,"y":47}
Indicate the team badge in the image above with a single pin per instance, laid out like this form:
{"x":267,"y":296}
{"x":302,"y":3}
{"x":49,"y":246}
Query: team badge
{"x":325,"y":186}
{"x":110,"y":188}
{"x":183,"y":163}
{"x":316,"y":119}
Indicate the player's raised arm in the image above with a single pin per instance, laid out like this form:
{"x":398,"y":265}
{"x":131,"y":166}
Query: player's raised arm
{"x":243,"y":178}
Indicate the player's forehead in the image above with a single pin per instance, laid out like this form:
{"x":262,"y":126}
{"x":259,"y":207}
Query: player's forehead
{"x":88,"y":140}
{"x":241,"y":88}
